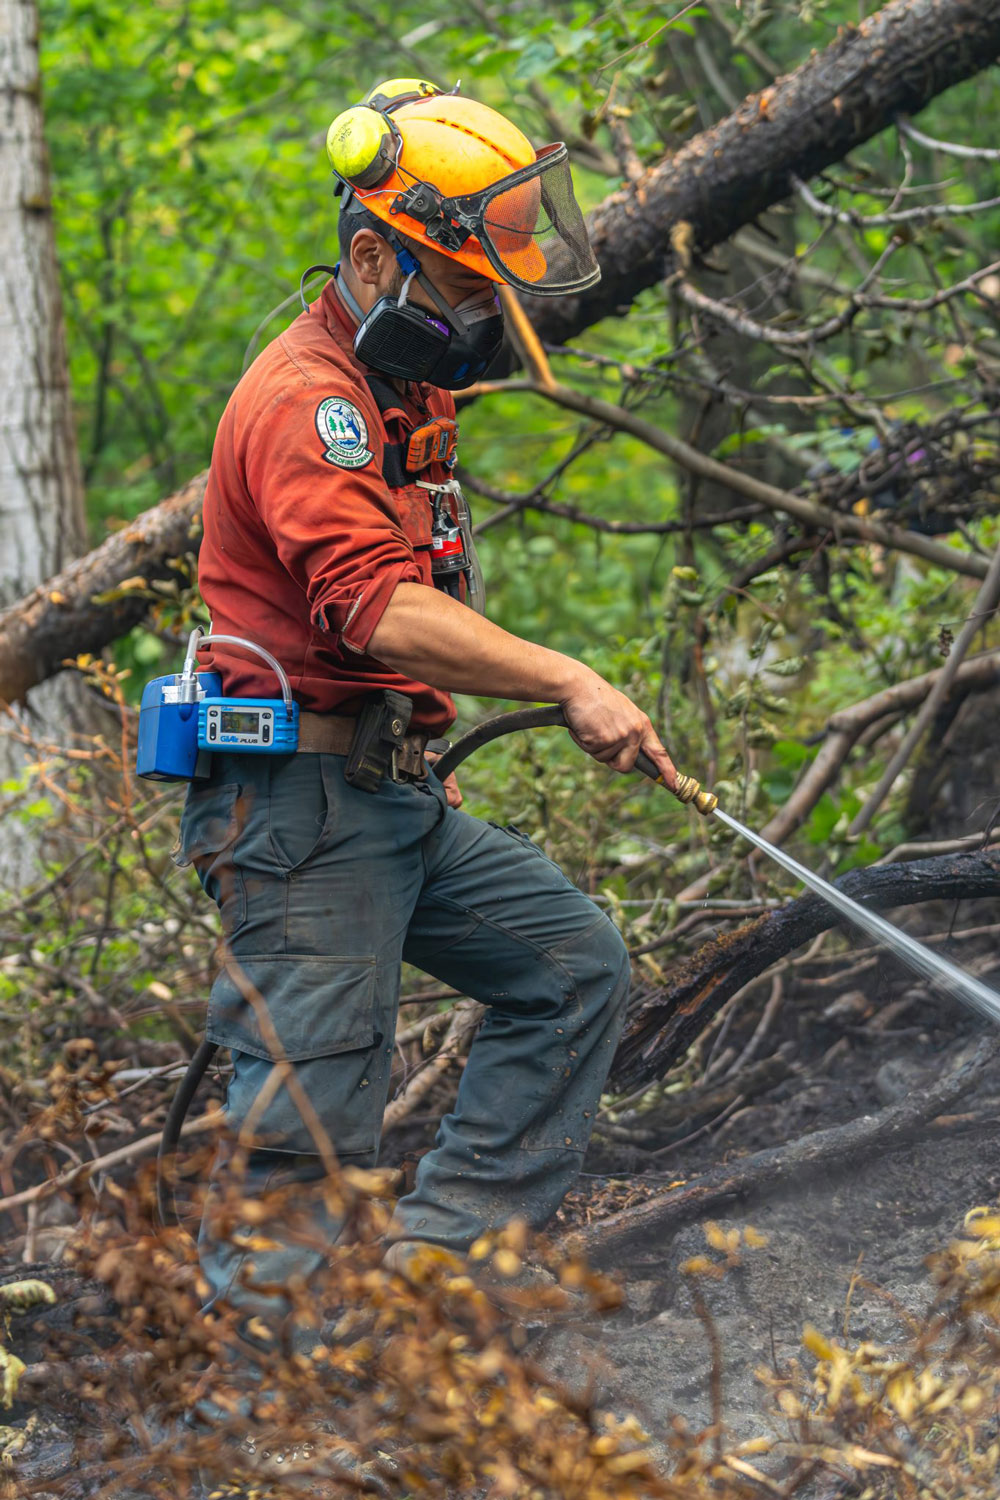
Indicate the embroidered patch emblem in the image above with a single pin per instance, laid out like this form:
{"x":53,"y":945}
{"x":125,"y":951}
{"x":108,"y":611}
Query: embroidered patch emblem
{"x":344,"y":433}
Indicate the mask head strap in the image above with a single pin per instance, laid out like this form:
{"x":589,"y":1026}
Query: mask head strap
{"x":452,"y":316}
{"x":410,"y":267}
{"x":348,"y":296}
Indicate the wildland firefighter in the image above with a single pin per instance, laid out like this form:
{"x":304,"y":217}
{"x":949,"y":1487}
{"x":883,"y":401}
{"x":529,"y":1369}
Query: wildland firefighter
{"x":336,"y":536}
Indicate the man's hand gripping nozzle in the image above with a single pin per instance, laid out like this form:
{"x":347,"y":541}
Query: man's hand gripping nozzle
{"x":686,"y":790}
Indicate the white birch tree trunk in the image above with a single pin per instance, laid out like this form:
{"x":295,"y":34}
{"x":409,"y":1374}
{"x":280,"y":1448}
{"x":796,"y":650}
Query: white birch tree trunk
{"x":41,"y":491}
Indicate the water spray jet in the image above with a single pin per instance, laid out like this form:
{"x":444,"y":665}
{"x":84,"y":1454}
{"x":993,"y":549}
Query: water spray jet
{"x":932,"y":966}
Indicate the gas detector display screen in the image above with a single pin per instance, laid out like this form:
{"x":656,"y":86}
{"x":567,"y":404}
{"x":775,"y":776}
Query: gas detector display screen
{"x":237,"y":721}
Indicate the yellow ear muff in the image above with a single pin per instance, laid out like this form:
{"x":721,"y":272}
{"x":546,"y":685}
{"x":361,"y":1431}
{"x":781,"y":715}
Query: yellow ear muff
{"x":361,"y":147}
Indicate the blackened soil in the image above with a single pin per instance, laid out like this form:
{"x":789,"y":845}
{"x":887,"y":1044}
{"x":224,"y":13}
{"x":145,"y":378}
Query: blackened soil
{"x":846,"y":1250}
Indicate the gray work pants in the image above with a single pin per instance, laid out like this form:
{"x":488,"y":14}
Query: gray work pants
{"x":324,"y":889}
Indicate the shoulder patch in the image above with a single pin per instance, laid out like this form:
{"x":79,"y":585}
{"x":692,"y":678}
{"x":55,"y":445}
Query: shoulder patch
{"x":343,"y":432}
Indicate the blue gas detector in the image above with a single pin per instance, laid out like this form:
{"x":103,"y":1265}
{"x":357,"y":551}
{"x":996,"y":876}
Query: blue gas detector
{"x":184,"y":717}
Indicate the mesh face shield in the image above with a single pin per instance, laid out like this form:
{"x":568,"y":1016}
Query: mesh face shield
{"x":531,"y":228}
{"x":528,"y":224}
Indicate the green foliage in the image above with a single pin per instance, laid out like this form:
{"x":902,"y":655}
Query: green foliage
{"x":191,"y":188}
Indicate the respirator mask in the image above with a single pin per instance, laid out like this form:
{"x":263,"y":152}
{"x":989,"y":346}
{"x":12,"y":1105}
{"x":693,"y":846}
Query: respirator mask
{"x":406,"y":342}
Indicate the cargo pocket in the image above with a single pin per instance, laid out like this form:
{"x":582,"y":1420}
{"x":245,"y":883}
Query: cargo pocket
{"x":312,"y":1006}
{"x":209,"y":829}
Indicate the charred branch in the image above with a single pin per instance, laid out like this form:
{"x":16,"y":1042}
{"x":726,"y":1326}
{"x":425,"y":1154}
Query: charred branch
{"x":604,"y":1242}
{"x":665,"y":1022}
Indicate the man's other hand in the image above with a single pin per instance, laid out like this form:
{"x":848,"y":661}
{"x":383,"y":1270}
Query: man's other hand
{"x":450,"y":785}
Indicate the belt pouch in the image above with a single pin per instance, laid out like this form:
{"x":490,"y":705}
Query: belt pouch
{"x":381,"y":729}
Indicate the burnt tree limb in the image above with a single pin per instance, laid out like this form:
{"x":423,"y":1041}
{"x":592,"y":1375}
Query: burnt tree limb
{"x":895,"y":62}
{"x":664,"y":1023}
{"x":607,"y":1240}
{"x":65,"y":616}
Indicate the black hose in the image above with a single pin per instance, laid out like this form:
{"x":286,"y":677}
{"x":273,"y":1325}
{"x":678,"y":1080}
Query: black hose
{"x":166,"y":1202}
{"x":492,"y":729}
{"x":521,"y":718}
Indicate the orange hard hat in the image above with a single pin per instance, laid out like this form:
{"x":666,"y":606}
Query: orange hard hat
{"x":459,"y":176}
{"x":462,"y":146}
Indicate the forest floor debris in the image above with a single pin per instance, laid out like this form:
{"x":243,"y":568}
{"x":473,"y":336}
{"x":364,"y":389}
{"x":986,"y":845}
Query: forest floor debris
{"x":708,"y":1306}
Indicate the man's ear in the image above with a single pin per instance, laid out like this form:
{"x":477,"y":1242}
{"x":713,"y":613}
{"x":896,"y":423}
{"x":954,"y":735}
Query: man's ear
{"x":369,"y":254}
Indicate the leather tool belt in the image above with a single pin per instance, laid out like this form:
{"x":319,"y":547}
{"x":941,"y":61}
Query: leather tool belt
{"x":333,"y":734}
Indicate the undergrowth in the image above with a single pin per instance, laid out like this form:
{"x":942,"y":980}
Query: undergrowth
{"x":432,"y":1386}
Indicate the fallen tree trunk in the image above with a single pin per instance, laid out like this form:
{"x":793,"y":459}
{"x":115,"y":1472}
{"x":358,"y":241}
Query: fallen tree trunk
{"x":895,"y":61}
{"x":663,"y":1025}
{"x":67,"y":616}
{"x":608,"y":1240}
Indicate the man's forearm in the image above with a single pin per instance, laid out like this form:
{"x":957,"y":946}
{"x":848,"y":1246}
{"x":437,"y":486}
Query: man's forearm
{"x":427,"y":635}
{"x":430,"y":637}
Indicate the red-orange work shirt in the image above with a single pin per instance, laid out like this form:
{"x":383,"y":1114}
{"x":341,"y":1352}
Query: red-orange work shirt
{"x":304,"y":542}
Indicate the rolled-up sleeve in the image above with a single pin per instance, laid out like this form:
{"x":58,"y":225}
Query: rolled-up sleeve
{"x":335,"y":526}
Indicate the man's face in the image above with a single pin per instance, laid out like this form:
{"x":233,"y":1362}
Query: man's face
{"x":378,"y":273}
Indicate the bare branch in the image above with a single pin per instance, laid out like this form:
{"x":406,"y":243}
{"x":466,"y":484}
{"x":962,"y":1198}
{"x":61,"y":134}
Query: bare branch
{"x":921,"y":848}
{"x":977,"y":674}
{"x":741,"y":323}
{"x":846,"y":729}
{"x":950,"y":148}
{"x":513,"y":504}
{"x":524,"y":338}
{"x":924,"y":213}
{"x":464,"y":1018}
{"x":817,"y":517}
{"x":143,"y":1147}
{"x":928,"y":304}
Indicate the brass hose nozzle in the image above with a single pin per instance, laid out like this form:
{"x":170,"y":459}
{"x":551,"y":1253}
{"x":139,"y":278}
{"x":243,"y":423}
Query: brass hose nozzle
{"x":690,"y":790}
